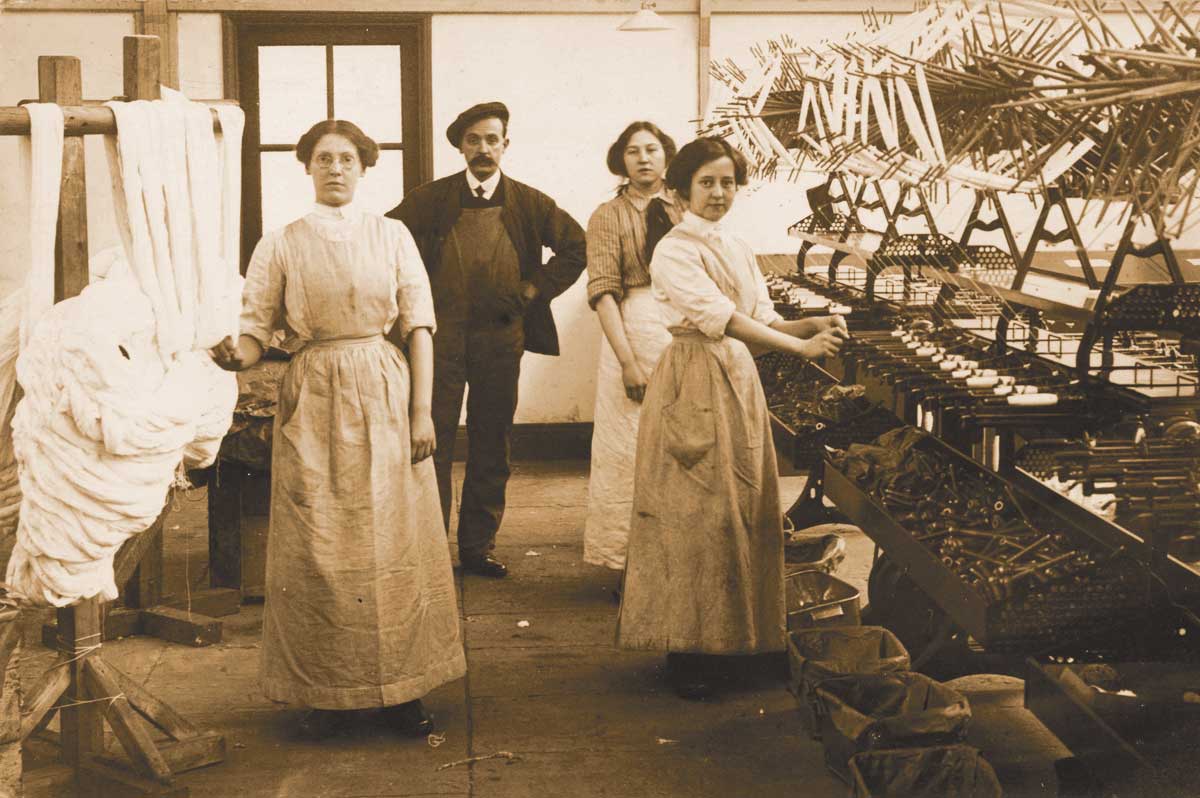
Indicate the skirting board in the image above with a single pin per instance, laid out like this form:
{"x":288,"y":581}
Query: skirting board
{"x":561,"y":441}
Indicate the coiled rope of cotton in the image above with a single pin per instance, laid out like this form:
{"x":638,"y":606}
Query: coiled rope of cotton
{"x":20,"y":309}
{"x":119,"y":390}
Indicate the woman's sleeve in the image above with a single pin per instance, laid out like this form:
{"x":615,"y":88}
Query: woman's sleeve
{"x":262,"y":296}
{"x":764,"y":306}
{"x":413,"y":296}
{"x":604,"y":255}
{"x":677,"y":270}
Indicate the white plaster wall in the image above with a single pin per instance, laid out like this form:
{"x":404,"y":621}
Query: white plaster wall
{"x":200,"y":56}
{"x":571,"y":84}
{"x":96,"y":40}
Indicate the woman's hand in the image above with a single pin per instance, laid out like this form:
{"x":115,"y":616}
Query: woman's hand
{"x":634,"y":379}
{"x":229,"y":355}
{"x":824,"y":344}
{"x":422,"y":435}
{"x":832,"y":323}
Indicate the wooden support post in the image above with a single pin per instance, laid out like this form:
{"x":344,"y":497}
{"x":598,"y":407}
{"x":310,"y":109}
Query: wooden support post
{"x":82,"y":724}
{"x":157,"y":20}
{"x":141,"y":75}
{"x":60,"y":80}
{"x":703,"y":55}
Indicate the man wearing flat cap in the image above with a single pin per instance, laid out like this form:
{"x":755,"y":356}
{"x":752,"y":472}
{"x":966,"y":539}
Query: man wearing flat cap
{"x":481,"y":235}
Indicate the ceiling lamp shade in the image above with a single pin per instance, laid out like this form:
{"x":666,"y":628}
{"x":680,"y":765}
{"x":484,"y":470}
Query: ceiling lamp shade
{"x":644,"y":20}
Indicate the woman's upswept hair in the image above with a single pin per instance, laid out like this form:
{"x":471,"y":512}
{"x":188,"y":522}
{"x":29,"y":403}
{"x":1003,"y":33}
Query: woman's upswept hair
{"x":368,"y":150}
{"x":696,"y":154}
{"x":616,"y":151}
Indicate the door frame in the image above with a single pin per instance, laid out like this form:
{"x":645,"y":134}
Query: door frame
{"x":241,"y":33}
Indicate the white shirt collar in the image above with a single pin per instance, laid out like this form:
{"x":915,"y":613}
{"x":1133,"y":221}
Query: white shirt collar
{"x":489,"y":185}
{"x":701,"y":225}
{"x":348,"y":212}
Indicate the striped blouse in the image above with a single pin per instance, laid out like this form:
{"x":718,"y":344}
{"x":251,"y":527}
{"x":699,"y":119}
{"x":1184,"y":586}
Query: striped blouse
{"x":616,"y":240}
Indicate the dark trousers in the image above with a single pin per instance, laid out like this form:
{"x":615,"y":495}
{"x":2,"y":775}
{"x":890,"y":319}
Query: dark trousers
{"x":489,"y":360}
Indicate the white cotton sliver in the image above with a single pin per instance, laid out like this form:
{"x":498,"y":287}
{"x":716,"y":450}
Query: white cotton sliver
{"x":45,"y":151}
{"x":210,"y":276}
{"x":177,"y":195}
{"x":124,"y":149}
{"x":116,"y":394}
{"x":19,"y":311}
{"x":81,"y":499}
{"x":171,"y":335}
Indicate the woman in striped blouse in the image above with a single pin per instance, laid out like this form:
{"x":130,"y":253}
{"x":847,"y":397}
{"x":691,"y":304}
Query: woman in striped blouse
{"x":619,"y":291}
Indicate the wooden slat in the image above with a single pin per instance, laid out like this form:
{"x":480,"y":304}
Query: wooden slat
{"x":132,"y":551}
{"x":152,"y":709}
{"x":704,"y":50}
{"x":83,"y":724}
{"x":196,"y":752}
{"x":60,"y":80}
{"x":141,"y":67}
{"x":131,"y":730}
{"x":78,"y":120}
{"x":107,"y":780}
{"x":215,"y":602}
{"x":156,"y":20}
{"x":10,"y":636}
{"x":41,"y":699}
{"x":180,"y":626}
{"x":613,"y":7}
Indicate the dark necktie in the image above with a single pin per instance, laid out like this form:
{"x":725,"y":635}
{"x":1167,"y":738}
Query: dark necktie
{"x":479,"y":191}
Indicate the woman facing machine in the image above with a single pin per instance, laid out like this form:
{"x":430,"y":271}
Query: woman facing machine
{"x":705,"y":562}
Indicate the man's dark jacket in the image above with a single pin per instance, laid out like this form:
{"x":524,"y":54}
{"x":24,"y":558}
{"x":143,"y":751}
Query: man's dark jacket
{"x":532,"y":220}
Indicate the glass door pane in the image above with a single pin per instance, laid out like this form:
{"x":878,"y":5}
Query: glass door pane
{"x":291,"y":92}
{"x":366,"y":89}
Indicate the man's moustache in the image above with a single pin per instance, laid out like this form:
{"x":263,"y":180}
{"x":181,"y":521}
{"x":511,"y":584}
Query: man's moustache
{"x":481,"y":159}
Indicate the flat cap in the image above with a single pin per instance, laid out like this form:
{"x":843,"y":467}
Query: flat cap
{"x":473,"y":115}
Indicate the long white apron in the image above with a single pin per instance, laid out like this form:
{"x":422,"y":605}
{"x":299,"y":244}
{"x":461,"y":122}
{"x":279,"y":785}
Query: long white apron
{"x":705,"y":558}
{"x":360,"y":603}
{"x":615,"y":430}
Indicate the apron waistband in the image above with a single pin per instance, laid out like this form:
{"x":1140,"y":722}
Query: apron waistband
{"x":325,"y":343}
{"x":691,"y":333}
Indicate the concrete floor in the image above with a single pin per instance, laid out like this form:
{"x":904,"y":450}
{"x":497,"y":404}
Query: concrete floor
{"x":563,"y":712}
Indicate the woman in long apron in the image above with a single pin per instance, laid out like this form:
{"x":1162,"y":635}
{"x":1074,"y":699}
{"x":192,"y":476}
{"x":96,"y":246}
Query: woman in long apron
{"x":360,"y":606}
{"x":618,"y":259}
{"x":705,"y":562}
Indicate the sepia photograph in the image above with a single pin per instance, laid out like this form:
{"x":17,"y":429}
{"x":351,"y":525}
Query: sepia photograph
{"x":599,"y":398}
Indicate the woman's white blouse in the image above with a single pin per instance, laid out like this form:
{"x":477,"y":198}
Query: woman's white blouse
{"x":387,"y":243}
{"x":702,"y":273}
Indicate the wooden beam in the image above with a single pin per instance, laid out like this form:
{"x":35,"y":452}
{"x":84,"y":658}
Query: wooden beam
{"x":181,"y":626}
{"x":78,"y":120}
{"x":60,"y":80}
{"x":141,"y":67}
{"x":229,"y":63}
{"x":152,"y":709}
{"x":704,"y":54}
{"x":40,"y":700}
{"x":156,"y":20}
{"x":613,"y":7}
{"x":83,"y":723}
{"x":623,"y":8}
{"x":131,"y":730}
{"x":104,"y":780}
